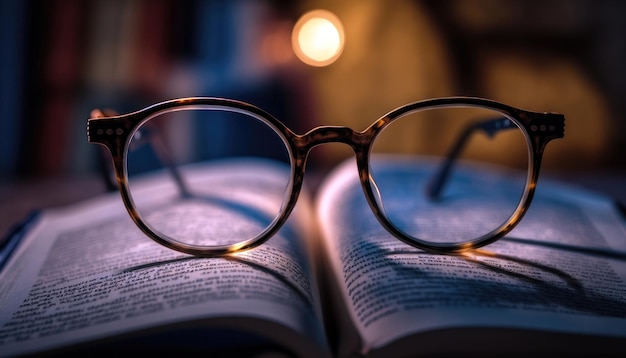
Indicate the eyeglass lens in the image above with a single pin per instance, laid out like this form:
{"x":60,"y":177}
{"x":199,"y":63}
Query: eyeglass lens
{"x":179,"y":184}
{"x":435,"y":201}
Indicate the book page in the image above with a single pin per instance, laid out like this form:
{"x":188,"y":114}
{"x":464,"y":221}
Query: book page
{"x":87,"y":272}
{"x":561,"y":270}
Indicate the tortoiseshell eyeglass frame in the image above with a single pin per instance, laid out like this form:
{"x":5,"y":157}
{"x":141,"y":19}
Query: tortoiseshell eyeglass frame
{"x":116,"y":131}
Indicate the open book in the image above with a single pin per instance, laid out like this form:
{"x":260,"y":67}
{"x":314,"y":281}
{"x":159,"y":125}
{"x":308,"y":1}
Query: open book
{"x":332,"y":282}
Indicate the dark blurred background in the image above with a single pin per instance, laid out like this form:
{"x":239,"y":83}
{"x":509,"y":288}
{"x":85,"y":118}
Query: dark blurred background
{"x":62,"y":58}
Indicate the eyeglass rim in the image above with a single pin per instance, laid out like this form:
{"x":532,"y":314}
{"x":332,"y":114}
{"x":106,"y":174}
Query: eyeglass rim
{"x":121,"y":129}
{"x":124,"y":126}
{"x":515,"y":115}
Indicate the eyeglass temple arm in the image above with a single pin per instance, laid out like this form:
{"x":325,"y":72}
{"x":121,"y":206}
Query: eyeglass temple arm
{"x":104,"y":163}
{"x":490,"y":127}
{"x":157,"y":144}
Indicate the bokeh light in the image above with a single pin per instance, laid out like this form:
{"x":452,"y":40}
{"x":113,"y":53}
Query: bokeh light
{"x":318,"y":38}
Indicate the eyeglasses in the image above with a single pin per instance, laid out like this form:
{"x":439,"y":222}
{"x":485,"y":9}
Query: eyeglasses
{"x":430,"y":204}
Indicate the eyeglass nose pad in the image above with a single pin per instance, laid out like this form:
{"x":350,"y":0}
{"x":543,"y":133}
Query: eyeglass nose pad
{"x":377,"y":196}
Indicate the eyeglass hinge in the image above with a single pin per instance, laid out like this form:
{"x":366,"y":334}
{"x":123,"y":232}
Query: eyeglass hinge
{"x":549,"y":125}
{"x":100,"y":130}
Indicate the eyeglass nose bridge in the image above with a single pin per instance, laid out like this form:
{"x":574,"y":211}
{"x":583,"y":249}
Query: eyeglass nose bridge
{"x":334,"y":134}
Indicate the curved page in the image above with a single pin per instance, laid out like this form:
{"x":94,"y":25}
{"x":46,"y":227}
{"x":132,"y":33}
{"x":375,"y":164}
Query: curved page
{"x":561,"y":273}
{"x":86,"y":273}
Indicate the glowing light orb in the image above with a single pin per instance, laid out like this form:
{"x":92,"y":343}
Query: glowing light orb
{"x":318,"y":38}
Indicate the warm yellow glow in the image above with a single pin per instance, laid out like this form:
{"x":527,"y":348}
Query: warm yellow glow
{"x":318,"y":38}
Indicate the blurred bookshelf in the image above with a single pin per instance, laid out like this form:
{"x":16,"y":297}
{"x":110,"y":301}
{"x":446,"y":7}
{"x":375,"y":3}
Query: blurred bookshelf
{"x":70,"y":56}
